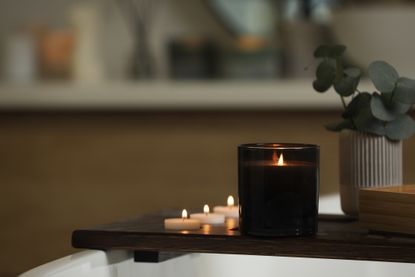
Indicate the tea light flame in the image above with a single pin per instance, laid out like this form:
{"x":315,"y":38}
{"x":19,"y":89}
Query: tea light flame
{"x":231,"y":201}
{"x":281,"y":160}
{"x":206,"y":209}
{"x":184,"y":214}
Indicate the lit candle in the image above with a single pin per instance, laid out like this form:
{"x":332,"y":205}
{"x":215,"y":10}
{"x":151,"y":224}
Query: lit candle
{"x":183,"y":223}
{"x":278,"y":189}
{"x":209,"y":218}
{"x":229,"y":211}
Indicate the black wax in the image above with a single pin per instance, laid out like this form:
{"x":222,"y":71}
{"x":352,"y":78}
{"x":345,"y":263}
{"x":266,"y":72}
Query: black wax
{"x":278,"y":200}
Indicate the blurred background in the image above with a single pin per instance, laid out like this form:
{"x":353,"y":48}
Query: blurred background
{"x":112,"y":108}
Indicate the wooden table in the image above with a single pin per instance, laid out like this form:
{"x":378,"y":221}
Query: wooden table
{"x":339,"y":237}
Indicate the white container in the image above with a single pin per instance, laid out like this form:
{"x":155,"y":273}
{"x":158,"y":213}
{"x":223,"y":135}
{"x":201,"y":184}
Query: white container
{"x":87,"y":60}
{"x":121,"y":264}
{"x":20,"y":63}
{"x":366,"y":161}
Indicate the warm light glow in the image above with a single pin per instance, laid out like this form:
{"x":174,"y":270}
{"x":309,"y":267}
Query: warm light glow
{"x":231,"y":224}
{"x":206,"y":209}
{"x":275,"y":158}
{"x":281,"y":160}
{"x":184,"y":214}
{"x":206,"y":229}
{"x":231,"y":201}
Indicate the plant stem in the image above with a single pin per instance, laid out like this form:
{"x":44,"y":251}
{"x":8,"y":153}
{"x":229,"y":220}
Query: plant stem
{"x":344,"y":102}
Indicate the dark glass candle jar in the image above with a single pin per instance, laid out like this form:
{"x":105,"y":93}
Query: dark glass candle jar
{"x":278,"y":187}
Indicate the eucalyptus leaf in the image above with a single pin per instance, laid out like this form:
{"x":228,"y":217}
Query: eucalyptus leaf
{"x":367,"y":123}
{"x":380,"y":110}
{"x":405,"y":91}
{"x":401,"y":128}
{"x":325,"y":74}
{"x":383,"y":113}
{"x":359,"y":102}
{"x":326,"y":71}
{"x":320,"y":87}
{"x":383,"y":76}
{"x":339,"y":125}
{"x":359,"y":113}
{"x":390,"y":102}
{"x":346,"y":86}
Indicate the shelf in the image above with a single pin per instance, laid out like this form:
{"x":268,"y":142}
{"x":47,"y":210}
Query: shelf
{"x":168,"y":95}
{"x":339,"y":237}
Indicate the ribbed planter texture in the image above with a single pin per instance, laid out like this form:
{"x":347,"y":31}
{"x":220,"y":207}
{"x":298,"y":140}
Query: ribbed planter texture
{"x":366,"y":161}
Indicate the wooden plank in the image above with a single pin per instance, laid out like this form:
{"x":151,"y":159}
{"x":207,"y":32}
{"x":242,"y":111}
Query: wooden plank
{"x":388,"y":209}
{"x":338,"y":238}
{"x":395,"y":209}
{"x":391,"y":194}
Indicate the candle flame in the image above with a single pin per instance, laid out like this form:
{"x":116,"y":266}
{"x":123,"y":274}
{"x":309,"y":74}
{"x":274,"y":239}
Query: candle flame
{"x":231,"y":201}
{"x":275,"y":158}
{"x":281,"y":160}
{"x":184,"y":214}
{"x":206,"y":209}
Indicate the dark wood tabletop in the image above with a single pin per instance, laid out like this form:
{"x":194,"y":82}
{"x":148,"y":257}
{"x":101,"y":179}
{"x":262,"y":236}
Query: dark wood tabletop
{"x":339,"y":237}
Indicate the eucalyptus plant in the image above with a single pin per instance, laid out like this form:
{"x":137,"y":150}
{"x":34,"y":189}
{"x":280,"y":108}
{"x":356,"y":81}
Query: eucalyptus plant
{"x":383,"y":112}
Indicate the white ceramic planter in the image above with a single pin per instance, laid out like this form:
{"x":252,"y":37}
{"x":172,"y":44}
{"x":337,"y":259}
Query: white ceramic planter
{"x":366,"y":161}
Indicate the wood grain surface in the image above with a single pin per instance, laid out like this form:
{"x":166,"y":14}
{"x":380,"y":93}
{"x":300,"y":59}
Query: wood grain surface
{"x":389,"y":209}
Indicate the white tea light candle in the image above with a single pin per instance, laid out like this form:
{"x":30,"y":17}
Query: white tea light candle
{"x":229,"y":211}
{"x":183,"y":223}
{"x":209,"y":218}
